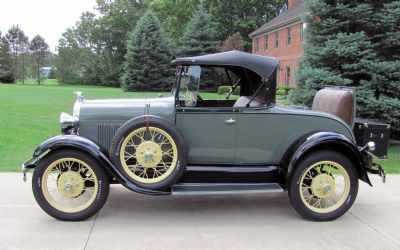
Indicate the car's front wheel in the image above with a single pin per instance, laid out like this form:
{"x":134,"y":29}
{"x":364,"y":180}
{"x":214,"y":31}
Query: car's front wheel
{"x":70,"y":185}
{"x":323,"y":186}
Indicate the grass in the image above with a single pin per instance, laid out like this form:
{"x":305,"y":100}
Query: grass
{"x":29,"y":114}
{"x":392,"y":165}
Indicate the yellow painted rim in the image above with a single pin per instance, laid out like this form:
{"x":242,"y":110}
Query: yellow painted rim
{"x":69,"y":185}
{"x":149,"y":155}
{"x":324,"y":186}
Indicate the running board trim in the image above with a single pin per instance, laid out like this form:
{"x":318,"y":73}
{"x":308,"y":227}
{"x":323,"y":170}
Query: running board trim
{"x":225,"y":188}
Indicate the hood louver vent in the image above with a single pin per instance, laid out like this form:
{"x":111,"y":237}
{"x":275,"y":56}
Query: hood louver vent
{"x":106,"y":132}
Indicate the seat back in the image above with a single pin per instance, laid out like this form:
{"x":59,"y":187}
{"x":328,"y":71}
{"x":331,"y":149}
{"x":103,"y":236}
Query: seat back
{"x":243,"y":100}
{"x":336,"y":101}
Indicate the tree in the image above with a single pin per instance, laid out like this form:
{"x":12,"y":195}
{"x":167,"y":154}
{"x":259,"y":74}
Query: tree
{"x":39,"y":49}
{"x":174,"y":15}
{"x":6,"y":64}
{"x":19,"y":44}
{"x":233,"y":42}
{"x":147,"y":64}
{"x":199,"y":37}
{"x":93,"y":51}
{"x":242,"y":16}
{"x":354,"y":44}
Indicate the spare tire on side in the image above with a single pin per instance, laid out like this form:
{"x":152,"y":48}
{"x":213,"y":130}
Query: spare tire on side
{"x":150,"y":152}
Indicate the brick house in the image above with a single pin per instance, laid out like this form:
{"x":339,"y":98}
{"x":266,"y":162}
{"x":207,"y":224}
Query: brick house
{"x":282,"y":37}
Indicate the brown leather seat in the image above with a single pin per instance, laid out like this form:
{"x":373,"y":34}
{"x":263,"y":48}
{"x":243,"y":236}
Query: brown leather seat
{"x":243,"y":100}
{"x":338,"y":102}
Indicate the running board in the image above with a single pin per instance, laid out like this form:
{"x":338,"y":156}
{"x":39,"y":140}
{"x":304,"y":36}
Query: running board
{"x":224,"y":188}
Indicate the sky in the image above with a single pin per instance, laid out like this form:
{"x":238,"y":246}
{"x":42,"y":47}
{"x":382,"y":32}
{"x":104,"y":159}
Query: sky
{"x":48,"y":18}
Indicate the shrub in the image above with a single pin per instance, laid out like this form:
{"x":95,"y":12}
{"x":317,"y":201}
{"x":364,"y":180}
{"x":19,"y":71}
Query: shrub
{"x":224,"y":90}
{"x":283,"y":91}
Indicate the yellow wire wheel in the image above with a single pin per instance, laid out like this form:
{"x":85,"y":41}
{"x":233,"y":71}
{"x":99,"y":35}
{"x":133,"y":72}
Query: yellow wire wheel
{"x":69,"y":185}
{"x":148,"y":155}
{"x":323,"y":186}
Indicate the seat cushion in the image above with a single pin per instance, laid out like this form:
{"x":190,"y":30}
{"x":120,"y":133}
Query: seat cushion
{"x":338,"y":102}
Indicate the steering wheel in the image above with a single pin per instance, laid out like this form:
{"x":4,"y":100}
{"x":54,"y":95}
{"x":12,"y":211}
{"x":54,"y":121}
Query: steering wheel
{"x":197,"y":94}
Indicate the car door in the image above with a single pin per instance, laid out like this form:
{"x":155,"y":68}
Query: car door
{"x":209,"y":134}
{"x":255,"y":143}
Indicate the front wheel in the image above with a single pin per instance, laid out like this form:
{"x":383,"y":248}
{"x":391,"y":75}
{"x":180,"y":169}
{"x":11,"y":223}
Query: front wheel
{"x":323,"y":186}
{"x":69,"y":185}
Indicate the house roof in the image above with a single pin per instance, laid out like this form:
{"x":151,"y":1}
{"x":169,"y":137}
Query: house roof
{"x":290,"y":15}
{"x":264,"y":66}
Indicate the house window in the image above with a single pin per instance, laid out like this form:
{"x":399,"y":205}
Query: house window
{"x":256,"y":45}
{"x":266,"y":42}
{"x":276,"y":39}
{"x":287,"y":76}
{"x":289,"y":36}
{"x":302,"y":29}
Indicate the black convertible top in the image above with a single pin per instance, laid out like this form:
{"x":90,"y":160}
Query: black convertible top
{"x":263,"y":66}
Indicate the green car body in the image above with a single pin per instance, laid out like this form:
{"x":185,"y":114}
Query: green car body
{"x":259,"y":136}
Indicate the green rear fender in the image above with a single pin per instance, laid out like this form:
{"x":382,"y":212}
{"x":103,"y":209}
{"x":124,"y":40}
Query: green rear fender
{"x":323,"y":141}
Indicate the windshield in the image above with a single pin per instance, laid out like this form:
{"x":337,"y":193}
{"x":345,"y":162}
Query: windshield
{"x":189,"y":85}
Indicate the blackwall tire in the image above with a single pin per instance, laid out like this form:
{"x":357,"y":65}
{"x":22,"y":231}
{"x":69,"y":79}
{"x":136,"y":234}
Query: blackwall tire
{"x":70,"y":185}
{"x":324,"y":186}
{"x":149,"y":151}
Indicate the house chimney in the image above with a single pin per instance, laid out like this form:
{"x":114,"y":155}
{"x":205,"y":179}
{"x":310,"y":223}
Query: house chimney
{"x":293,"y":3}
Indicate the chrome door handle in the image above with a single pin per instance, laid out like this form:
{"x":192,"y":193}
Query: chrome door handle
{"x":230,"y":121}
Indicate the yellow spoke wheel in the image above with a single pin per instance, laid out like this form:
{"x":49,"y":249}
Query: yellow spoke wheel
{"x":324,"y":186}
{"x":69,"y":185}
{"x":148,"y":155}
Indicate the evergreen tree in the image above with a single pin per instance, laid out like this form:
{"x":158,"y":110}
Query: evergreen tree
{"x":6,"y":63}
{"x":354,"y":44}
{"x":147,"y":65}
{"x":199,"y":37}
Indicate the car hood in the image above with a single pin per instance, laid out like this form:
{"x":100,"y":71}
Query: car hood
{"x":125,"y":109}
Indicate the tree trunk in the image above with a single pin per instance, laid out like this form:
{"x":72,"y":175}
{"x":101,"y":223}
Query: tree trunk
{"x":38,"y":71}
{"x":23,"y":69}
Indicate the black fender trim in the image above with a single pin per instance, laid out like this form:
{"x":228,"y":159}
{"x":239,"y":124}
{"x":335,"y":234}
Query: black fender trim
{"x":87,"y":146}
{"x":320,"y":140}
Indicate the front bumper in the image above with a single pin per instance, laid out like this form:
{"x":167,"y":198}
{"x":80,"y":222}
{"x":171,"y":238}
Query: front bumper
{"x":28,"y":164}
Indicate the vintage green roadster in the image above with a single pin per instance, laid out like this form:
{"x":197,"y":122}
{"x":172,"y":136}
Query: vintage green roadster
{"x":196,"y":142}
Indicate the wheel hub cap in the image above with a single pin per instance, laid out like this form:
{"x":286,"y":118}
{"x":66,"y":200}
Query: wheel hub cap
{"x":149,"y":154}
{"x":323,"y":185}
{"x":70,"y":184}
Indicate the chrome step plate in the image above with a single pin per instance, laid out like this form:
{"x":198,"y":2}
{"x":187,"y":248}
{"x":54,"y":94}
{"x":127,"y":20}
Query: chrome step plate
{"x":225,"y":188}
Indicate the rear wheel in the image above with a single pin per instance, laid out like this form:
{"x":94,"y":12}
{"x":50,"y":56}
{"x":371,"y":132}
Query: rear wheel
{"x":323,"y":186}
{"x":70,"y":185}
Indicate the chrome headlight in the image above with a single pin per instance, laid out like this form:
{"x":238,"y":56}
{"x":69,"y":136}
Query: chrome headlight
{"x":78,"y":102}
{"x":69,"y":124}
{"x":77,"y":108}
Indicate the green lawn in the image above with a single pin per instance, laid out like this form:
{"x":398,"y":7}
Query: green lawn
{"x":29,"y":114}
{"x":392,"y":165}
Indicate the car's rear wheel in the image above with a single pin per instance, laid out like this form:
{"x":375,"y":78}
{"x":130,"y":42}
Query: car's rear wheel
{"x":150,"y":152}
{"x":323,"y":186}
{"x":70,"y":185}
